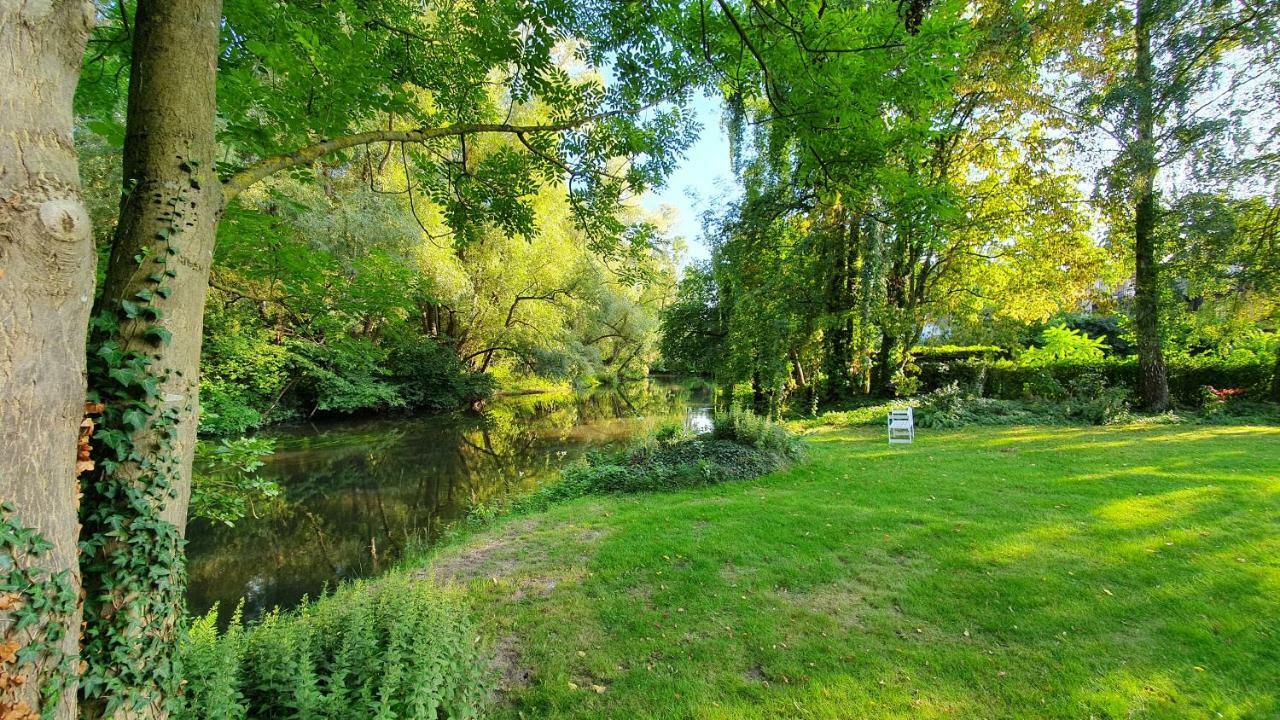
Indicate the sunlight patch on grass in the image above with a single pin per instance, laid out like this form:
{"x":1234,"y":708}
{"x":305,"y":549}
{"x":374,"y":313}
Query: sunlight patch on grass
{"x":1148,"y":510}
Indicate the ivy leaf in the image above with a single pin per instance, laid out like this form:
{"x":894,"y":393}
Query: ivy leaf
{"x":158,"y":335}
{"x":135,"y":418}
{"x":125,"y":376}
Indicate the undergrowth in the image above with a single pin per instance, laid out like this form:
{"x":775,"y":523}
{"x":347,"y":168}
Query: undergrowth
{"x":741,"y":446}
{"x":395,"y":647}
{"x":1089,"y":403}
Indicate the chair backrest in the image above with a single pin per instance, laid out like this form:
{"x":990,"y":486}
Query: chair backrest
{"x":900,"y":415}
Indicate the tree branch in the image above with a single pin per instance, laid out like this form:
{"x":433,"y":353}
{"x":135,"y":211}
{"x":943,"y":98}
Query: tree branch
{"x":266,"y":167}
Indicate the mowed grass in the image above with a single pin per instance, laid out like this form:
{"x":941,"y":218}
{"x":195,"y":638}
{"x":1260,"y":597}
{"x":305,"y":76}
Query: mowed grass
{"x":1022,"y":572}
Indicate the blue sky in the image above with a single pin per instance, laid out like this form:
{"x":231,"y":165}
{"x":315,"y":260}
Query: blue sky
{"x":703,"y":179}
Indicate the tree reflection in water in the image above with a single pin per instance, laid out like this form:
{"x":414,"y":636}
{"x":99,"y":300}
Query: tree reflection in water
{"x":356,"y":491}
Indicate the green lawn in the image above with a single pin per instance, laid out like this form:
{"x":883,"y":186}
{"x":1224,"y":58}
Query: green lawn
{"x":1021,"y":572}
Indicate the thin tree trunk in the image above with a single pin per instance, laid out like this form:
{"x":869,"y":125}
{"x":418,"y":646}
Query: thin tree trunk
{"x":1153,"y":385}
{"x":46,"y":284}
{"x":1275,"y":378}
{"x":155,"y":288}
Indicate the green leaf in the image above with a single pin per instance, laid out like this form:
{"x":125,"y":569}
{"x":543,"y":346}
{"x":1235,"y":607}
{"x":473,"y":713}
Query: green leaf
{"x":158,"y":335}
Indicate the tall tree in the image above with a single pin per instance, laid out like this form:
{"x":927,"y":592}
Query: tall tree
{"x":394,"y":73}
{"x":46,"y":283}
{"x":1153,"y":76}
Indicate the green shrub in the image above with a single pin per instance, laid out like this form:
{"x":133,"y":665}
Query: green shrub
{"x":1089,"y":400}
{"x":396,"y":647}
{"x":431,"y":377}
{"x":1059,"y":343}
{"x":741,"y":446}
{"x":943,"y":353}
{"x":745,"y":428}
{"x":1186,"y":376}
{"x":970,"y":374}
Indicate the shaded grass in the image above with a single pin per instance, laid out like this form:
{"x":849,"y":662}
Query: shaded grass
{"x":1052,"y":572}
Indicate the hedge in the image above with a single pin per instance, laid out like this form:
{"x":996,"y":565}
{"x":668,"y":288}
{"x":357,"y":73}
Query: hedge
{"x":941,"y":353}
{"x":1009,"y":380}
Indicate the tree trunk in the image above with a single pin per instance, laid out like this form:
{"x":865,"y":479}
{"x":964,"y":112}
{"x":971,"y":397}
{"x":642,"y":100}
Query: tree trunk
{"x":149,"y":350}
{"x":46,"y":284}
{"x":882,"y":369}
{"x":1275,"y":378}
{"x":838,"y":347}
{"x":1153,"y":385}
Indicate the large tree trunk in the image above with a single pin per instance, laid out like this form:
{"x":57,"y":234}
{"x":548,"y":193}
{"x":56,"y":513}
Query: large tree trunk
{"x":1153,"y":385}
{"x":46,"y":284}
{"x":154,"y":295}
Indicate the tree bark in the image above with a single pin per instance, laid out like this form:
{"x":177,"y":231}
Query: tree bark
{"x":46,"y":284}
{"x":838,"y":347}
{"x":1153,"y":384}
{"x":160,"y":258}
{"x":1275,"y":378}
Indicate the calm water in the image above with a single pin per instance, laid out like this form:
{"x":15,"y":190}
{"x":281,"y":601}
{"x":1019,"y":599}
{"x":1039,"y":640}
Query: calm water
{"x":355,"y":492}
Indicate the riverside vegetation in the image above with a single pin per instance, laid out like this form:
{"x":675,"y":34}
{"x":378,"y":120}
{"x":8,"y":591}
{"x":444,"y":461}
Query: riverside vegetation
{"x":220,"y":215}
{"x":402,"y":646}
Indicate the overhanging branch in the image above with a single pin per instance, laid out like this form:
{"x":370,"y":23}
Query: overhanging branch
{"x":266,"y":167}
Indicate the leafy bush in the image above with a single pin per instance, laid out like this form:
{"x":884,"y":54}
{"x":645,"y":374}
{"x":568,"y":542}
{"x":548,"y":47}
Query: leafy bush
{"x":1060,"y":343}
{"x":970,"y":374}
{"x":943,"y":353}
{"x":346,"y":375}
{"x":1089,"y":400}
{"x":741,"y":446}
{"x":942,"y":408}
{"x":748,"y":429}
{"x":226,"y":410}
{"x":396,"y":647}
{"x":1186,"y":376}
{"x":431,"y":377}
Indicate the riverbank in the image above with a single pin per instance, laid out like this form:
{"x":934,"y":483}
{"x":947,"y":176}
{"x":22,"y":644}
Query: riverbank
{"x":1012,"y":572}
{"x":354,"y":493}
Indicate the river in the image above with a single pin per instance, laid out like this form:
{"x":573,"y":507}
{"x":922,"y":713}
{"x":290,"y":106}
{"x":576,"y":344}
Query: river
{"x":357,"y":492}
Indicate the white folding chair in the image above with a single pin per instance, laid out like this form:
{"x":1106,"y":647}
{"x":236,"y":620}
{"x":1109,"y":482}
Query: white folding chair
{"x":902,"y":426}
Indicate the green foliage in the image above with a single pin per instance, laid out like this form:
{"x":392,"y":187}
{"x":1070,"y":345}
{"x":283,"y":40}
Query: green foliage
{"x":1059,"y":343}
{"x":1089,"y":402}
{"x":226,"y":485}
{"x":942,"y":353}
{"x":396,"y":647}
{"x":692,"y":332}
{"x":36,"y":606}
{"x":211,"y":662}
{"x":1186,"y":376}
{"x":431,"y":377}
{"x":746,"y":428}
{"x":671,"y":459}
{"x":131,"y":559}
{"x":1248,"y":366}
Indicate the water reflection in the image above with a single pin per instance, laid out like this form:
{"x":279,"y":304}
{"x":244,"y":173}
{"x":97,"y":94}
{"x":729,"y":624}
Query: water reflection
{"x":355,"y":492}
